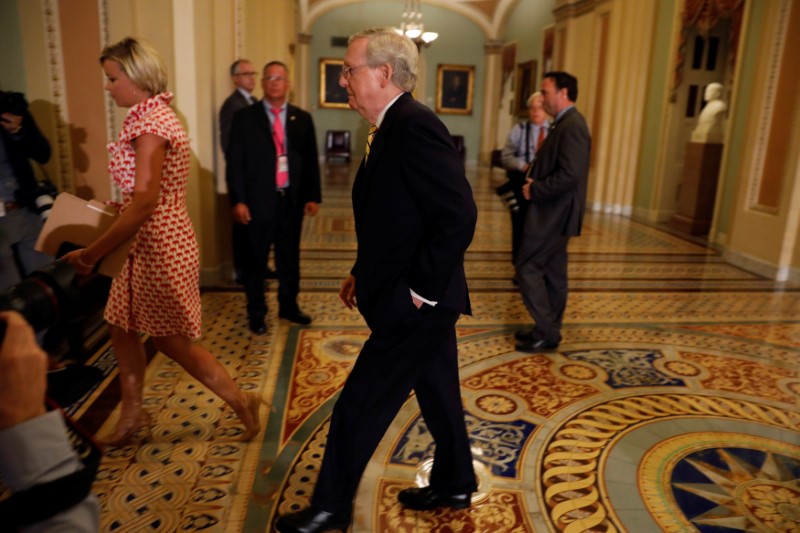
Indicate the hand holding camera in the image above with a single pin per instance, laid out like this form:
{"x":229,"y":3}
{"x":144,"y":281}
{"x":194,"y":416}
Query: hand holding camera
{"x":12,"y":110}
{"x":23,"y":370}
{"x":12,"y":123}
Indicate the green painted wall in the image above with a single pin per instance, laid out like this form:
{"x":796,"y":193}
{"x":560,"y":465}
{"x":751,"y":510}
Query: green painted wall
{"x":525,"y":25}
{"x":460,"y":42}
{"x":654,"y":103}
{"x":12,"y":73}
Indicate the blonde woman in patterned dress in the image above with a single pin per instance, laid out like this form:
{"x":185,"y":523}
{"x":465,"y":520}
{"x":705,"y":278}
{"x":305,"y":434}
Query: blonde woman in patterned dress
{"x":158,"y":290}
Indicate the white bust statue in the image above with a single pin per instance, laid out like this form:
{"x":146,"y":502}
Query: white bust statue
{"x":710,"y":126}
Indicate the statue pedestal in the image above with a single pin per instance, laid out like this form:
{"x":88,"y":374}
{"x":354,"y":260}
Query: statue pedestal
{"x":699,"y":188}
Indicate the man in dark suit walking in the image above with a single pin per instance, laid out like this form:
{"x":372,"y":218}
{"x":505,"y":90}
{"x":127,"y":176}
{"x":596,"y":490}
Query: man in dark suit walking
{"x":414,"y":218}
{"x":273,"y":181}
{"x":556,"y":187}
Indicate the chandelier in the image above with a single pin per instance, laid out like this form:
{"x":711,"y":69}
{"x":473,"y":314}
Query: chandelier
{"x":413,"y":27}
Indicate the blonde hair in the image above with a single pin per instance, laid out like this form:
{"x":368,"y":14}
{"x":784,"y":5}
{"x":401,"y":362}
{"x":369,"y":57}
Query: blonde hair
{"x":140,"y":62}
{"x":386,"y":46}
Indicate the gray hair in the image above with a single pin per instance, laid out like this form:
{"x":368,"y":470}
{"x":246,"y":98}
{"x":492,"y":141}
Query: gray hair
{"x":236,"y":64}
{"x":386,"y":46}
{"x":532,"y":97}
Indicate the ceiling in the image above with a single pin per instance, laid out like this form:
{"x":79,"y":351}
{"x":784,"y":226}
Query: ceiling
{"x":489,"y":15}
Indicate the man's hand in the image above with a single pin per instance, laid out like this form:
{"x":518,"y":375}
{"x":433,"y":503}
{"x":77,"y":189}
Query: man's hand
{"x":23,"y":370}
{"x":311,"y":208}
{"x":526,"y":189}
{"x":347,"y":293}
{"x":241,"y":213}
{"x":12,"y":123}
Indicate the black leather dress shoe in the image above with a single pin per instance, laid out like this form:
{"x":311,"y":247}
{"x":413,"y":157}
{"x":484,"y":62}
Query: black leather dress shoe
{"x":527,"y":335}
{"x":313,"y":520}
{"x":258,"y":327}
{"x":298,"y":317}
{"x":425,"y":499}
{"x":536,"y":346}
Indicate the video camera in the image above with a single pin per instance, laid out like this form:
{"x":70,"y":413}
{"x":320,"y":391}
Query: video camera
{"x":509,"y":193}
{"x":40,"y":199}
{"x":14,"y":103}
{"x":55,"y":294}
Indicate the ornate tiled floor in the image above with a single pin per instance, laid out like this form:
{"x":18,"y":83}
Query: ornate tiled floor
{"x":673,"y":403}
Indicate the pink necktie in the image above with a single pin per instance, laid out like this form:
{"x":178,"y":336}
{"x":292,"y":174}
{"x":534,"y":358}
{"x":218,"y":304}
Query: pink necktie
{"x":281,"y":176}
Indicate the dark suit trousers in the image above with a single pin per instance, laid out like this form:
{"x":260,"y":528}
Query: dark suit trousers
{"x":419,"y":354}
{"x":282,"y":230}
{"x":542,"y":274}
{"x":516,"y":180}
{"x":240,"y":244}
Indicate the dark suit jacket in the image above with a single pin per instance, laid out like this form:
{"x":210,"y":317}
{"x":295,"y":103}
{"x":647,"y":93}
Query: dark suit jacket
{"x":252,"y":157}
{"x":415,"y":217}
{"x":29,"y":143}
{"x":560,"y":173}
{"x":230,"y":106}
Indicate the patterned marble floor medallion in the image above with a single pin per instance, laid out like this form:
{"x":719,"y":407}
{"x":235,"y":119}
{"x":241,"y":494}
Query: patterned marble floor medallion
{"x":734,"y":481}
{"x":512,"y":402}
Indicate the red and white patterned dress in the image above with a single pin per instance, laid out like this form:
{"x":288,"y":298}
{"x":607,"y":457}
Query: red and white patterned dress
{"x":158,"y":289}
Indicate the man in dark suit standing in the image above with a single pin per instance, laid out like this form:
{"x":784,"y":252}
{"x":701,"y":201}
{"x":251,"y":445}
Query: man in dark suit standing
{"x":556,"y":187}
{"x":243,"y":77}
{"x":273,"y":181}
{"x":414,"y":218}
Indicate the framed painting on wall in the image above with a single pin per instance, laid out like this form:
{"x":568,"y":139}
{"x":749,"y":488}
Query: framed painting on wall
{"x":548,"y":47}
{"x":525,"y":84}
{"x":454,"y":88}
{"x":331,"y":95}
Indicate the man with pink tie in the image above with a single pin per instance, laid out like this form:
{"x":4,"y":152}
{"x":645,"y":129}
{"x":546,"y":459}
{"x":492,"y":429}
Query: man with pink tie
{"x":273,"y":181}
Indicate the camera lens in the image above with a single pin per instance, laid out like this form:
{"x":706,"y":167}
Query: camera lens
{"x":42,"y":296}
{"x":43,"y":204}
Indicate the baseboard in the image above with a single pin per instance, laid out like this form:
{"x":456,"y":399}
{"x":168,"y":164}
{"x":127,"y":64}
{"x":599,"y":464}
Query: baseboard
{"x":652,"y":215}
{"x":761,"y":267}
{"x":611,"y":209}
{"x":214,"y":276}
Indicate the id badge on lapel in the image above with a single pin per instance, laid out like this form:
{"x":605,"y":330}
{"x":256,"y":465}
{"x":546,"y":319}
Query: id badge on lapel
{"x":283,"y":163}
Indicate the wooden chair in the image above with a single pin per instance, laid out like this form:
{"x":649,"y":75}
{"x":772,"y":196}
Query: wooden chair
{"x":337,"y":145}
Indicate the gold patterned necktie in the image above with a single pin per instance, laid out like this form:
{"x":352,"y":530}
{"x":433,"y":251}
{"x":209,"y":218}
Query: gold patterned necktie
{"x":371,"y":135}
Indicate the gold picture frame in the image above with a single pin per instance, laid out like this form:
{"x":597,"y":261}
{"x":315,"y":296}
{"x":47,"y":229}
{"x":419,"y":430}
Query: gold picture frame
{"x":525,"y":85}
{"x":331,"y":95}
{"x":454,"y":89}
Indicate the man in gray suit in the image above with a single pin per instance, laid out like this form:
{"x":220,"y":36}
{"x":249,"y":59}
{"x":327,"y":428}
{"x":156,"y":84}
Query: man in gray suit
{"x":556,"y":188}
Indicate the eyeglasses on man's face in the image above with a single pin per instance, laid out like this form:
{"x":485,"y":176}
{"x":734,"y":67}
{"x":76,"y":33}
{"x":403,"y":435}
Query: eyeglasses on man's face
{"x":348,"y":71}
{"x":274,"y":78}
